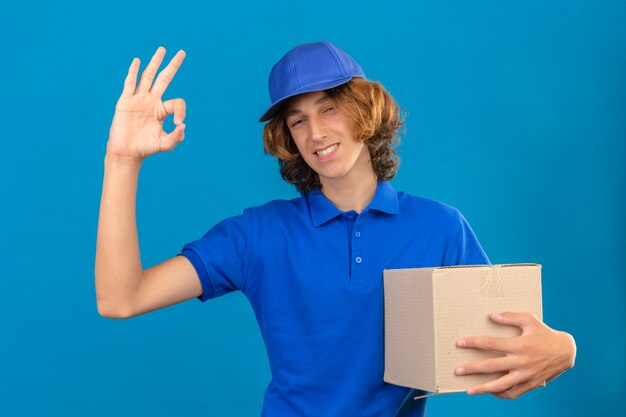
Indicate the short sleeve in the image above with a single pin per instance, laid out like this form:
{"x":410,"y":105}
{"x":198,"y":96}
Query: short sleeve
{"x":464,"y":248}
{"x":221,"y":256}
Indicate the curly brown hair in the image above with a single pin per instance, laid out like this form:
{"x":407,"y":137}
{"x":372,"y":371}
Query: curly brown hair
{"x":377,"y":120}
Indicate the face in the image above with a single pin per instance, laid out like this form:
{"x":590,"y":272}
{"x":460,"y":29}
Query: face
{"x":325,"y":137}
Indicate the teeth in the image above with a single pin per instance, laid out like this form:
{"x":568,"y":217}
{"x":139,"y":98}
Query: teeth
{"x":327,"y":150}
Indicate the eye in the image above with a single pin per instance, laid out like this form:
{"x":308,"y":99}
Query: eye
{"x":329,"y":109}
{"x":296,"y":122}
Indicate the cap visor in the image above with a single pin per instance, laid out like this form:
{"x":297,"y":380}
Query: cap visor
{"x":269,"y":114}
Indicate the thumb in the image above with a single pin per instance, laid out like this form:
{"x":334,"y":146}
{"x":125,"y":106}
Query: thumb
{"x":170,"y":140}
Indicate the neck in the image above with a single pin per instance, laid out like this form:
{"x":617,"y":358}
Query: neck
{"x":349,"y":195}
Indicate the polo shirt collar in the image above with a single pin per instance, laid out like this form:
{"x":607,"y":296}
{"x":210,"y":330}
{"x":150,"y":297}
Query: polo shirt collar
{"x":385,"y":199}
{"x":323,"y":210}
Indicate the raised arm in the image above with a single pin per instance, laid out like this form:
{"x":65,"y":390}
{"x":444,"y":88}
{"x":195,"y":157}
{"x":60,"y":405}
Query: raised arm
{"x":123,"y":287}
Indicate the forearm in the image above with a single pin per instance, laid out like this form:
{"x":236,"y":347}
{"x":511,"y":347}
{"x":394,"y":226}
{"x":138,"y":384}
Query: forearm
{"x":118,"y":267}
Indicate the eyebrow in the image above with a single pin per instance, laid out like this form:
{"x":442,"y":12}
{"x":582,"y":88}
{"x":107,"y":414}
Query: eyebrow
{"x":295,"y":111}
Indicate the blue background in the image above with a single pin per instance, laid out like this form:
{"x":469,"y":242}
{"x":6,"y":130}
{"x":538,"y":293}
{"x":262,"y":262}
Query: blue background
{"x":515,"y":115}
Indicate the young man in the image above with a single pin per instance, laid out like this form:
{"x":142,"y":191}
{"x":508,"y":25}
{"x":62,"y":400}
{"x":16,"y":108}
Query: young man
{"x":312,"y":266}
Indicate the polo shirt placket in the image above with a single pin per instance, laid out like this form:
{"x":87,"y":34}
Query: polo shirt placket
{"x":357,"y":247}
{"x":360,"y":248}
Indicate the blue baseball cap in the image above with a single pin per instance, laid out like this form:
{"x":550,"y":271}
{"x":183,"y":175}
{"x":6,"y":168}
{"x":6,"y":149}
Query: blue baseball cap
{"x":309,"y":67}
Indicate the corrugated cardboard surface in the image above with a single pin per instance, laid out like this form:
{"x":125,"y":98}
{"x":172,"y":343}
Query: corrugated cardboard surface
{"x":428,"y":309}
{"x":409,"y":343}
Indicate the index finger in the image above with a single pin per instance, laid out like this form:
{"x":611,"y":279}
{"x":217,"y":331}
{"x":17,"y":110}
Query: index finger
{"x":500,"y":344}
{"x":166,"y":76}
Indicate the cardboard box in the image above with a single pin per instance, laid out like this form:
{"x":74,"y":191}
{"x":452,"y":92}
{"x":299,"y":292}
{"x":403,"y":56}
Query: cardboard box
{"x":428,"y":309}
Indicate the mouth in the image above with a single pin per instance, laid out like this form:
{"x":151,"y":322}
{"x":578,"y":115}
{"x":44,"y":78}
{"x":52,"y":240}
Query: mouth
{"x":326,"y":151}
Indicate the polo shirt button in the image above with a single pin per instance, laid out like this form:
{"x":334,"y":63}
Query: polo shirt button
{"x":357,"y":234}
{"x":358,"y":260}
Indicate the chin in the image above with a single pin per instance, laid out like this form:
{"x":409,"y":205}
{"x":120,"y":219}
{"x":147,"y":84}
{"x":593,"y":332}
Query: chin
{"x":331,"y":176}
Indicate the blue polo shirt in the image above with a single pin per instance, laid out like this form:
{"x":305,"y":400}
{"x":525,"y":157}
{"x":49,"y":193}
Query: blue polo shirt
{"x":313,"y":275}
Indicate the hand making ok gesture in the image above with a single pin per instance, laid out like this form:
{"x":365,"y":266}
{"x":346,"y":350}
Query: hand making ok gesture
{"x":137,"y":128}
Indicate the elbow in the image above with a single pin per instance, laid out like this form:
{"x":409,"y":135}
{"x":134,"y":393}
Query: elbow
{"x":111,"y":311}
{"x":112,"y":303}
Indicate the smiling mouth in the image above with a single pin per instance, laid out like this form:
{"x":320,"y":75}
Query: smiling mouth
{"x":326,"y":151}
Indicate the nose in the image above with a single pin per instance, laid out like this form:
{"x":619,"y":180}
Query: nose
{"x":317,"y":129}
